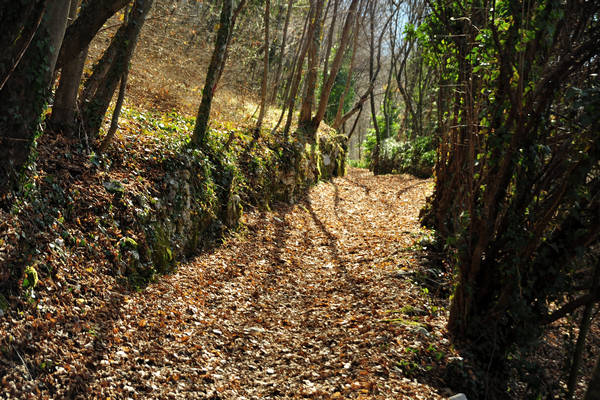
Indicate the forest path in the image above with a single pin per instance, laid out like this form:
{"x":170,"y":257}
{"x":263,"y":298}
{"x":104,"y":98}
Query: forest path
{"x":293,"y":307}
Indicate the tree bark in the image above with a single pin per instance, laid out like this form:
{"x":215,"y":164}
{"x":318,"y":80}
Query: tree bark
{"x":593,"y":390}
{"x":122,"y":46}
{"x":114,"y":124}
{"x":18,"y":25}
{"x":335,"y":68}
{"x":81,"y":32}
{"x":216,"y":64}
{"x":26,"y":92}
{"x":265,"y":77}
{"x":65,"y":98}
{"x":282,"y":53}
{"x":310,"y":85}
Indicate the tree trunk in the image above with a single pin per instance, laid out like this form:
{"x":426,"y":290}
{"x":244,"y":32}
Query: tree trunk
{"x":236,"y":13}
{"x":338,"y":116}
{"x":114,"y":124}
{"x":593,"y":390}
{"x":300,"y":64}
{"x":25,"y":93}
{"x":308,"y":100}
{"x":292,"y":74}
{"x":282,"y":53}
{"x":265,"y":77}
{"x":65,"y":98}
{"x":64,"y":109}
{"x":377,"y":148}
{"x":335,"y":68}
{"x":330,"y":35}
{"x":584,"y":327}
{"x":216,"y":64}
{"x":81,"y":32}
{"x":373,"y":76}
{"x":18,"y":25}
{"x":123,"y":46}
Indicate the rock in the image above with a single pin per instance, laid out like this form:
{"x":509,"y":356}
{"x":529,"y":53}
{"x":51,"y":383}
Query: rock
{"x":114,"y":187}
{"x":459,"y":396}
{"x":234,"y":211}
{"x":421,"y":331}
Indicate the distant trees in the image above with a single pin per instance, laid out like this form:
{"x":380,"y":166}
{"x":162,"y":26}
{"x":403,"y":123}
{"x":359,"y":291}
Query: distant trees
{"x":307,"y":121}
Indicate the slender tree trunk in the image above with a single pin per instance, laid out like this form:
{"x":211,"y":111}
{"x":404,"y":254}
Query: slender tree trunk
{"x":26,"y":91}
{"x":387,"y":103}
{"x":377,"y":148}
{"x":365,"y":96}
{"x":124,"y":43}
{"x":584,"y":327}
{"x":288,"y":85}
{"x":234,"y":18}
{"x":265,"y":77}
{"x":216,"y":64}
{"x":354,"y":128}
{"x":312,"y":72}
{"x":360,"y":138}
{"x":338,"y":116}
{"x":102,"y":67}
{"x":282,"y":53}
{"x":335,"y":68}
{"x":114,"y":124}
{"x":330,"y":38}
{"x":300,"y":64}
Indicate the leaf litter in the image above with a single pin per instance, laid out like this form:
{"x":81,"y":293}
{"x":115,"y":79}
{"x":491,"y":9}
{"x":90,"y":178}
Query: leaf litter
{"x":313,"y":300}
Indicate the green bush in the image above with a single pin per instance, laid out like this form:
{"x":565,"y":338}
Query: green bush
{"x":415,"y":157}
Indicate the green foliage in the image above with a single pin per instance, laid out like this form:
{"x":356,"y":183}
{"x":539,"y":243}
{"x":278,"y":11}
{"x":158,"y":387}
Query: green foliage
{"x":358,"y":163}
{"x":415,"y":157}
{"x":30,"y":278}
{"x":336,"y":93}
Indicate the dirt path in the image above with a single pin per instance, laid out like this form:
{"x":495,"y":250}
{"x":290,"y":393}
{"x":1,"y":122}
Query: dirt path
{"x":298,"y":305}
